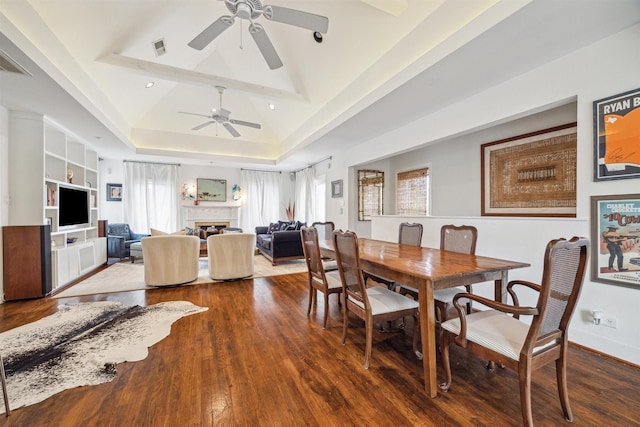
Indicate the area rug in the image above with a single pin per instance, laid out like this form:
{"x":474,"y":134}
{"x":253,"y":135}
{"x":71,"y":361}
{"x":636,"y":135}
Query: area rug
{"x":81,"y":345}
{"x":123,"y":277}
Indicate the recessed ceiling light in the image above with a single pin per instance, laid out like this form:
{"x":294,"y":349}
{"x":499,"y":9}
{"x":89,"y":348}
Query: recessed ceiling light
{"x":148,"y":85}
{"x":272,"y":106}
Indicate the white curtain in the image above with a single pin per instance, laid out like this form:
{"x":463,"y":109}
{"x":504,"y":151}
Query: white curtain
{"x":150,"y":195}
{"x":306,"y":196}
{"x":260,"y":203}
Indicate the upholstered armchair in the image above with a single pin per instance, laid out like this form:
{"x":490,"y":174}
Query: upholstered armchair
{"x":231,"y":255}
{"x":170,"y":260}
{"x":119,"y":240}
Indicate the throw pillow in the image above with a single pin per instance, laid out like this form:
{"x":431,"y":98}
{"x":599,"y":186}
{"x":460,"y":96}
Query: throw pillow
{"x":192,"y":231}
{"x":155,"y":232}
{"x":274,"y":226}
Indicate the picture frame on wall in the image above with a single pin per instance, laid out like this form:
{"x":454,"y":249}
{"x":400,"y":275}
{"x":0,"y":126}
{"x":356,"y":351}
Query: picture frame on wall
{"x":211,"y":190}
{"x":114,"y":192}
{"x":336,"y":188}
{"x":615,"y":240}
{"x":532,"y":175}
{"x":616,"y":133}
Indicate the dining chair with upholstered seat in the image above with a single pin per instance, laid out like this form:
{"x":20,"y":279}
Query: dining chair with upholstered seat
{"x":325,"y":232}
{"x":408,"y":234}
{"x":5,"y":394}
{"x":453,"y":238}
{"x":369,"y":304}
{"x":327,"y":282}
{"x":498,"y":334}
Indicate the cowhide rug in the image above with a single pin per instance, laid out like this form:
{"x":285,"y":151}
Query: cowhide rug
{"x":81,"y":345}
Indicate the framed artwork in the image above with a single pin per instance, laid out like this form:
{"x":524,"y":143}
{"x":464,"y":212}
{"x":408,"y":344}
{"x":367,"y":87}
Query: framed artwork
{"x":616,"y":133}
{"x":530,"y":175}
{"x":336,"y":188}
{"x":615,"y":240}
{"x":114,"y":192}
{"x":211,"y":190}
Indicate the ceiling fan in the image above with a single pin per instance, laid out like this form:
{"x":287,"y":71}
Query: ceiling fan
{"x":222,"y":116}
{"x":251,"y":9}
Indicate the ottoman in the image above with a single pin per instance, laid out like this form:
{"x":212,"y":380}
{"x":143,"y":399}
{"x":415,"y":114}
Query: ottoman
{"x":135,"y":251}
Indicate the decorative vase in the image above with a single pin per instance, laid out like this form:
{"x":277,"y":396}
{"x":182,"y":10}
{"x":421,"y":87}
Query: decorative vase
{"x":70,"y":175}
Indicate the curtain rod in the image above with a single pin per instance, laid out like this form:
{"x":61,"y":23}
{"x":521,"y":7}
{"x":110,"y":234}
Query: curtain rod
{"x":151,"y":163}
{"x":258,"y":170}
{"x":313,"y":164}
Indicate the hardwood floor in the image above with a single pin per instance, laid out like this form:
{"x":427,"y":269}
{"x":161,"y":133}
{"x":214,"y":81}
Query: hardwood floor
{"x":256,"y":359}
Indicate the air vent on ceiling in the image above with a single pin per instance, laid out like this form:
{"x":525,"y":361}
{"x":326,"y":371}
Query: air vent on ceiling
{"x":159,"y":47}
{"x":8,"y":64}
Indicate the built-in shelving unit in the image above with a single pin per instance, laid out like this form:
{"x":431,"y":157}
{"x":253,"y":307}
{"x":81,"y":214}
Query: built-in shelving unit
{"x":43,"y":158}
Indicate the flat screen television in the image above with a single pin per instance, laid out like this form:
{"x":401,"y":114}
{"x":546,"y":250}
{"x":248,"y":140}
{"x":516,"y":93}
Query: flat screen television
{"x":73,"y":207}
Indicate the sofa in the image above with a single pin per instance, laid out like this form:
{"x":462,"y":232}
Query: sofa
{"x":280,"y":241}
{"x":119,"y":240}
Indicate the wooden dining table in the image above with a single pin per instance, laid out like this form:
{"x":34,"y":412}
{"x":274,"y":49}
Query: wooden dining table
{"x":428,"y":269}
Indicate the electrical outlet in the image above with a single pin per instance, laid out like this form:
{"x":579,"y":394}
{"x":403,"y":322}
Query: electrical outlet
{"x":611,"y":322}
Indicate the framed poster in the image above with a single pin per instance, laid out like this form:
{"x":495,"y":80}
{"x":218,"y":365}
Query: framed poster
{"x":616,"y":133}
{"x":114,"y":192}
{"x":336,"y":188}
{"x":530,"y":175}
{"x":615,"y":240}
{"x":211,"y":190}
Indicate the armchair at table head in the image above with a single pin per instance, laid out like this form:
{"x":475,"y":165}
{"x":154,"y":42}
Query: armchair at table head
{"x":119,"y":240}
{"x":231,"y":255}
{"x":170,"y":260}
{"x":499,"y":335}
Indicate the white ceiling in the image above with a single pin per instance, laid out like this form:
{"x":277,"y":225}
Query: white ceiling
{"x":377,"y":68}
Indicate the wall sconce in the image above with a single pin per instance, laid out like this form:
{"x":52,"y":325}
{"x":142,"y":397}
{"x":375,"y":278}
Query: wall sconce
{"x":236,"y":192}
{"x":597,"y":317}
{"x":188,"y":192}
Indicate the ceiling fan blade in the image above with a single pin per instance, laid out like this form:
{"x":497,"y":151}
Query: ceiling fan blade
{"x":231,"y":129}
{"x":264,"y":44}
{"x":298,"y":18}
{"x":194,"y":114}
{"x":203,"y":125}
{"x":211,"y":32}
{"x":243,"y":123}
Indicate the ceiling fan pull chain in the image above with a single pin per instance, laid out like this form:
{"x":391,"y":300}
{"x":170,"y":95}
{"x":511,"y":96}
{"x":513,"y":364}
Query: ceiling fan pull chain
{"x":241,"y":47}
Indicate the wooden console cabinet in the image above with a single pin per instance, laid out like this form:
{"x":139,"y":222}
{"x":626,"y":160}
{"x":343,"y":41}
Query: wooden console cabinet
{"x":27,"y":261}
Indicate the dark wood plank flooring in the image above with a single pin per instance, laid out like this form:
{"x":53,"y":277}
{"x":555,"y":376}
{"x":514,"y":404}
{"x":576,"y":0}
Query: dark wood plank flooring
{"x":256,"y":359}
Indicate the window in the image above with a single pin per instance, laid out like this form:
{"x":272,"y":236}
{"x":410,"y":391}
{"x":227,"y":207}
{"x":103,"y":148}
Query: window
{"x":370,"y":194}
{"x":412,"y":192}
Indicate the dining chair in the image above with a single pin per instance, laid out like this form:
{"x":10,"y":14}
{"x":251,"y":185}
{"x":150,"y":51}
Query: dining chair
{"x":409,"y":233}
{"x":325,"y":232}
{"x":5,"y":394}
{"x":369,"y":304}
{"x":453,"y":238}
{"x":498,"y":334}
{"x":319,"y":280}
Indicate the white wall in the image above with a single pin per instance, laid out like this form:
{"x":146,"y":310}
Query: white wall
{"x":605,"y":68}
{"x":109,"y":172}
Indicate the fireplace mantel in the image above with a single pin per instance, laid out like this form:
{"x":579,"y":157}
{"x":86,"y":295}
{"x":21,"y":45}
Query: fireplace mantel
{"x":193,"y":214}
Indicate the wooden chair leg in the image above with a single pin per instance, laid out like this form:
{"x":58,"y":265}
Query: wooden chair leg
{"x":444,"y":354}
{"x":326,"y":310}
{"x":4,"y":388}
{"x":345,"y":321}
{"x":311,"y":292}
{"x":416,"y":337}
{"x":524,"y":372}
{"x":561,"y":379}
{"x":369,"y":342}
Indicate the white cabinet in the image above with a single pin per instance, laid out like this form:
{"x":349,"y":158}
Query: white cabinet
{"x":43,"y":158}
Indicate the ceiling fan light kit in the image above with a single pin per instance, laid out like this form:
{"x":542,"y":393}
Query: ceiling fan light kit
{"x":252,"y":9}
